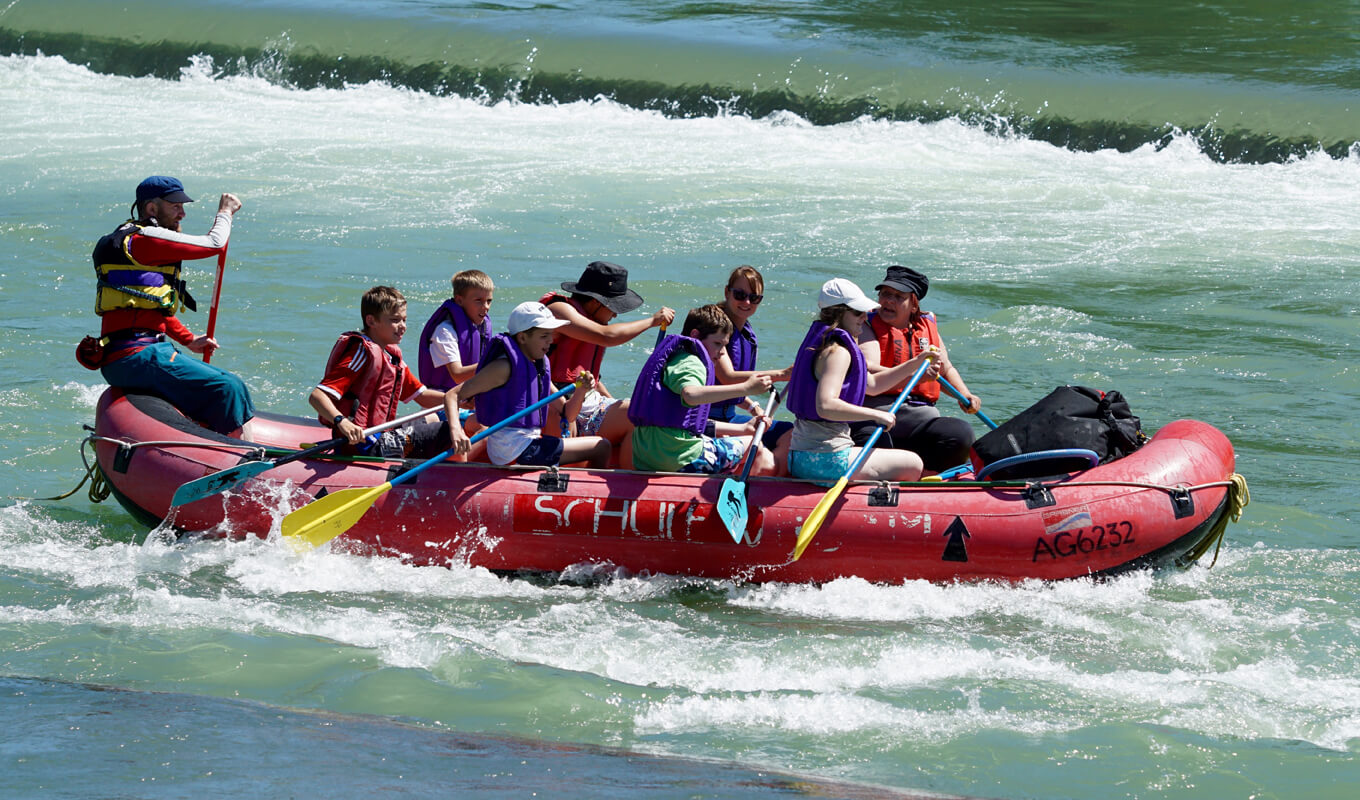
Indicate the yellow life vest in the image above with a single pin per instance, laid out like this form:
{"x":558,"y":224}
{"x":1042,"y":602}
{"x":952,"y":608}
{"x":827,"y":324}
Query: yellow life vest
{"x":129,"y":285}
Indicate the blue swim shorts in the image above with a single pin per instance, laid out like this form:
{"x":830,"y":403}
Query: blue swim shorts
{"x":819,"y":466}
{"x":545,"y":451}
{"x":590,"y":419}
{"x":721,"y":454}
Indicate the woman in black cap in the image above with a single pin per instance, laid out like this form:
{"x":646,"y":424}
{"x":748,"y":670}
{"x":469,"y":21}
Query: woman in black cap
{"x":896,"y":332}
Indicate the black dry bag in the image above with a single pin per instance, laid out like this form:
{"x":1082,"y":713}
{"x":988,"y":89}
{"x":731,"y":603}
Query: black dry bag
{"x":1069,"y":417}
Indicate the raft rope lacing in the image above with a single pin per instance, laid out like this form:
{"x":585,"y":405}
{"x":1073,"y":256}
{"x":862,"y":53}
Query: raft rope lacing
{"x":1237,"y":484}
{"x":99,"y":485}
{"x":1237,"y":498}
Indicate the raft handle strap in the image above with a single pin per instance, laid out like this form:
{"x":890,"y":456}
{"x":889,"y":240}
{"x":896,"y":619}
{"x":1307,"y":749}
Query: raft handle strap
{"x":883,"y":495}
{"x":1181,"y":502}
{"x":553,"y":481}
{"x":122,"y":458}
{"x":253,"y":454}
{"x":1038,"y":495}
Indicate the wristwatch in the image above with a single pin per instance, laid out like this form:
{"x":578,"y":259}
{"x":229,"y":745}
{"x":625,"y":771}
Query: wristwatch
{"x":339,"y":418}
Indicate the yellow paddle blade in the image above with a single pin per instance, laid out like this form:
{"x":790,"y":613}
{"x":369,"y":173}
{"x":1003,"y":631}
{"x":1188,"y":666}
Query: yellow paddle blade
{"x":322,"y":520}
{"x":814,"y":520}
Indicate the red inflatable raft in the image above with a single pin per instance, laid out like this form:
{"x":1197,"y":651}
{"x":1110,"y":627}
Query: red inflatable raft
{"x":1165,"y":504}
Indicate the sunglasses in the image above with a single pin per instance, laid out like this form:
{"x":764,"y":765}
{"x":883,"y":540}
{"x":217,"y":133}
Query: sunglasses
{"x":742,"y":296}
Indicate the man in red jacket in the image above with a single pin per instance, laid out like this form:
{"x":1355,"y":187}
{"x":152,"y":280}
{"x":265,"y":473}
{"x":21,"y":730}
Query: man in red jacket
{"x":140,"y":289}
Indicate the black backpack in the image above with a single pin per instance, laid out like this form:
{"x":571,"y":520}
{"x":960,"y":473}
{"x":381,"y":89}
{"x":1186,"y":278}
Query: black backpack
{"x":1069,"y":417}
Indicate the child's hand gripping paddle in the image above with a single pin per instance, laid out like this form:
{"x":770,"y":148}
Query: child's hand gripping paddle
{"x":732,"y":498}
{"x":230,"y":478}
{"x":325,"y":518}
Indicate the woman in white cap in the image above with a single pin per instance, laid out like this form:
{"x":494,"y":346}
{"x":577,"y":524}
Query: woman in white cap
{"x":827,"y":389}
{"x":512,"y":376}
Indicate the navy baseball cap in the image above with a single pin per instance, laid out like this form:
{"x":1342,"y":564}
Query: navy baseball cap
{"x":164,"y":188}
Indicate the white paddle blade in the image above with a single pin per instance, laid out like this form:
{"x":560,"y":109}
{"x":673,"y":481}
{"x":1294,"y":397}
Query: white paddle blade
{"x":218,"y":482}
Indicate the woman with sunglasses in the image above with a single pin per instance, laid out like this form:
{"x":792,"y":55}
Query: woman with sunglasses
{"x":737,"y":362}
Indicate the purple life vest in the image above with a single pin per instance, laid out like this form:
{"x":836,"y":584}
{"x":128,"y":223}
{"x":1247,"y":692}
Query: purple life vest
{"x":528,"y":383}
{"x":654,"y":404}
{"x":802,"y":391}
{"x":741,"y":348}
{"x":471,"y":343}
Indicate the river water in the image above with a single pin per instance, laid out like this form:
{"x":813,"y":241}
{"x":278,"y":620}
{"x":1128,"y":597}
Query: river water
{"x":1151,"y":197}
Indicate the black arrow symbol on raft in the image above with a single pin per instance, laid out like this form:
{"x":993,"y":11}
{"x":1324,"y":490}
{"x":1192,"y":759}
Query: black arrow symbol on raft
{"x":955,"y":549}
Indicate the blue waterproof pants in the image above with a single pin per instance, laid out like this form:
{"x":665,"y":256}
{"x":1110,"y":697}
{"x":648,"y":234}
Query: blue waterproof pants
{"x":204,"y":393}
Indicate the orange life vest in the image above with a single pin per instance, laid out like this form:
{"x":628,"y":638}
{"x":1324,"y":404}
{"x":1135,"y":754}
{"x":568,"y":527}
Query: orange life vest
{"x":569,"y":355}
{"x":897,"y":346}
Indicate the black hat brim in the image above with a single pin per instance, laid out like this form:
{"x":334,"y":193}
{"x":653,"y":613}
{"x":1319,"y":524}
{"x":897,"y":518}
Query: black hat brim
{"x":903,"y":288}
{"x":620,"y":304}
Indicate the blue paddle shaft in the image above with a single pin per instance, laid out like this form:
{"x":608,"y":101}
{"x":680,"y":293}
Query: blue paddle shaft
{"x":949,"y":387}
{"x":430,"y":462}
{"x":755,"y":437}
{"x":878,"y":431}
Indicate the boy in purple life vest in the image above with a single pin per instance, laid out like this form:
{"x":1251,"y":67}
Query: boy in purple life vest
{"x":366,"y":378}
{"x":515,"y":373}
{"x":452,"y":341}
{"x":671,"y":400}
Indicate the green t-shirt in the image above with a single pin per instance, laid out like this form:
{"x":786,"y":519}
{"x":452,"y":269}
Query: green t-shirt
{"x":669,"y":449}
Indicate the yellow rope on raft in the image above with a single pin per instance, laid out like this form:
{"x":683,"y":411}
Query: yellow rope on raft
{"x":99,"y":485}
{"x":1239,"y":496}
{"x":88,"y":469}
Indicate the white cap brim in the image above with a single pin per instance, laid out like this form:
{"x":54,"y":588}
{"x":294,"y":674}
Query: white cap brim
{"x":546,"y":324}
